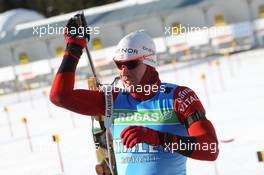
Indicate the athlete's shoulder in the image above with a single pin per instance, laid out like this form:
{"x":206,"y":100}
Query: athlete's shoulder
{"x":186,"y":101}
{"x":182,"y":91}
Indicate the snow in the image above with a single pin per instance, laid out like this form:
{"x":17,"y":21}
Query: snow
{"x":234,"y":105}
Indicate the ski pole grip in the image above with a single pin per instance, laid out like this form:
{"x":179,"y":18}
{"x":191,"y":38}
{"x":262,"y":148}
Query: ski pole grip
{"x":82,"y":22}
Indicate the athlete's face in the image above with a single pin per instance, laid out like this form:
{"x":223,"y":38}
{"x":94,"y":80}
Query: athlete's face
{"x":131,"y":72}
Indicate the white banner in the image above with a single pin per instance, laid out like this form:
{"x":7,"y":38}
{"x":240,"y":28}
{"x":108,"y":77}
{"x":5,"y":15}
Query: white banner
{"x":7,"y":74}
{"x":197,"y":38}
{"x":215,"y":32}
{"x":259,"y":24}
{"x":244,"y":29}
{"x":176,"y":40}
{"x":30,"y":70}
{"x":41,"y":67}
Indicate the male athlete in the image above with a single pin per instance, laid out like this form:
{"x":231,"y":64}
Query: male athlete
{"x":156,"y":125}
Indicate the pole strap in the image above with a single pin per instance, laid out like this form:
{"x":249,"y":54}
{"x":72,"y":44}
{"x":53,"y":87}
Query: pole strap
{"x":108,"y":106}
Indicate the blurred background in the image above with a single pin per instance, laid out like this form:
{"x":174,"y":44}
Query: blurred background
{"x":213,"y":46}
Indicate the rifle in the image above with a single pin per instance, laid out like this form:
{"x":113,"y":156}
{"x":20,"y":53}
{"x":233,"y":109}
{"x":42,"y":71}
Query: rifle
{"x":101,"y":136}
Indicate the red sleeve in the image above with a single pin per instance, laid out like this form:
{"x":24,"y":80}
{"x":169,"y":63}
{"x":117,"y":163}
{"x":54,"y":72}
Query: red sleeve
{"x":86,"y":102}
{"x":187,"y":103}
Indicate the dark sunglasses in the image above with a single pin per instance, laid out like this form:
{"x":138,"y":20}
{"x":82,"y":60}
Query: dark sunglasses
{"x":129,"y":64}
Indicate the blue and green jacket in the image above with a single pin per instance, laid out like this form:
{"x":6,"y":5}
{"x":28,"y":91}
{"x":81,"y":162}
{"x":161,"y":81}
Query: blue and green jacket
{"x":156,"y":113}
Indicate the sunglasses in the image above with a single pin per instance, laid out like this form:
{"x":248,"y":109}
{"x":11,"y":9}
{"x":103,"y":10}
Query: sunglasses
{"x":129,"y":64}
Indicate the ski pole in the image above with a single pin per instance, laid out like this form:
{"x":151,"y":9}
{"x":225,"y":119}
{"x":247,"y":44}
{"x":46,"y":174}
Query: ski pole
{"x":83,"y":23}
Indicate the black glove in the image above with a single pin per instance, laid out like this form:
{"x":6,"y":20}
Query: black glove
{"x":75,"y":34}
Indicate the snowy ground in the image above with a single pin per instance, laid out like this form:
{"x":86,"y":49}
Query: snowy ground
{"x":234,"y":101}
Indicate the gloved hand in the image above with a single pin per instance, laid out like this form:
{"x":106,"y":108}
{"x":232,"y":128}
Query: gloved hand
{"x":138,"y":134}
{"x":75,"y":35}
